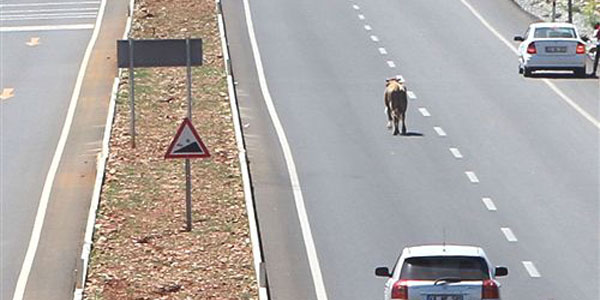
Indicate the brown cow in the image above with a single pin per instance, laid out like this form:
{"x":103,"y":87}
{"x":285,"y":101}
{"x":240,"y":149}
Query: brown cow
{"x":395,"y":103}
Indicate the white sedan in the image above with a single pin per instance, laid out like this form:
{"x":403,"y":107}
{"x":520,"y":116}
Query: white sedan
{"x":442,"y":272}
{"x":551,"y":46}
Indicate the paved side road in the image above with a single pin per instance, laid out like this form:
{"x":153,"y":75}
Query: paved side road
{"x":42,"y":76}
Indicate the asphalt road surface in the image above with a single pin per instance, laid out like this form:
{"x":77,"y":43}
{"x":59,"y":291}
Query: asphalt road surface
{"x":42,"y":49}
{"x":491,"y":159}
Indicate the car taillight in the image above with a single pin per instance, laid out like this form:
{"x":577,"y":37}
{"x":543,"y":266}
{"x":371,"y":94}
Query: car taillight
{"x":489,"y":290}
{"x":580,"y":48}
{"x":400,"y":290}
{"x":531,"y":48}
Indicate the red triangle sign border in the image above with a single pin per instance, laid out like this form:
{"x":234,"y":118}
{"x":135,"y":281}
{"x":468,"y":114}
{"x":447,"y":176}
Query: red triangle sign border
{"x":187,"y":123}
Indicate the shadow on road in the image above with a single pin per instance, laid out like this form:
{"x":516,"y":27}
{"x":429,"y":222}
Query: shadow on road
{"x":412,"y":134}
{"x":547,"y":75}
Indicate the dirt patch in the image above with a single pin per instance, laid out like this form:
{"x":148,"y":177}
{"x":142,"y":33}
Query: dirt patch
{"x":141,"y":250}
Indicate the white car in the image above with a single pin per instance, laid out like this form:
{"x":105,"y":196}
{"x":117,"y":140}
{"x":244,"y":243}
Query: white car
{"x":551,"y":46}
{"x":442,"y":272}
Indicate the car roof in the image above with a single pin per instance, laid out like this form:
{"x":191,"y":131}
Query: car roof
{"x":552,"y":24}
{"x":443,"y":250}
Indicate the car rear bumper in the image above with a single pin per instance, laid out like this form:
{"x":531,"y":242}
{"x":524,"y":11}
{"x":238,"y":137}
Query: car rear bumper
{"x":547,"y":62}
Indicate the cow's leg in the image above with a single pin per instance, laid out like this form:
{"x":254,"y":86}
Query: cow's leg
{"x":396,"y":121}
{"x":389,"y":116}
{"x":404,"y":123}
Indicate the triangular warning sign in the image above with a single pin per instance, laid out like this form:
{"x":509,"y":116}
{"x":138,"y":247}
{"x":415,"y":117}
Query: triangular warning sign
{"x":187,"y":143}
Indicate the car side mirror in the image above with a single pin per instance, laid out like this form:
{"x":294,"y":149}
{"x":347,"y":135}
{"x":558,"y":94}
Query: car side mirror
{"x":585,"y":38}
{"x":382,"y":272}
{"x":500,"y":271}
{"x":518,"y":38}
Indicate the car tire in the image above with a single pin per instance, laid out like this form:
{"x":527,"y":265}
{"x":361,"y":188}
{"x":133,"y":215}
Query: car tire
{"x":579,"y":72}
{"x":527,"y":72}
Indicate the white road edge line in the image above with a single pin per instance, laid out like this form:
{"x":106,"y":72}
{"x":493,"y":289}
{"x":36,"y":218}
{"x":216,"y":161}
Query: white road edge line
{"x":489,"y":204}
{"x":46,"y":28}
{"x":472,"y":177}
{"x":100,"y":170}
{"x":456,"y":153}
{"x":552,"y":86}
{"x":510,"y":236}
{"x":287,"y":152}
{"x":530,"y":267}
{"x":244,"y":168}
{"x":50,"y":3}
{"x":43,"y":204}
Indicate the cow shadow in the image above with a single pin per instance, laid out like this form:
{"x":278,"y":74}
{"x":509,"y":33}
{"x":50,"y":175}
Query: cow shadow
{"x":412,"y":134}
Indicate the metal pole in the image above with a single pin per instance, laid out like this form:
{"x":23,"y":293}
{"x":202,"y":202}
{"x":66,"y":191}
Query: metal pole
{"x":188,"y":168}
{"x":188,"y":195}
{"x":553,"y":10}
{"x":131,"y":95}
{"x":570,"y":11}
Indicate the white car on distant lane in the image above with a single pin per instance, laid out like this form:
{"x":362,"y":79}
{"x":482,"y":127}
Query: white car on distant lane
{"x":551,"y":46}
{"x":442,"y":272}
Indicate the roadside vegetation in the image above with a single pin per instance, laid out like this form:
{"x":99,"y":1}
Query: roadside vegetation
{"x":141,"y":249}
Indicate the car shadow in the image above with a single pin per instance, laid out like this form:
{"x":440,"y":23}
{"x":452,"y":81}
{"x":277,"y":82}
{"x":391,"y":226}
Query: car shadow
{"x":549,"y":75}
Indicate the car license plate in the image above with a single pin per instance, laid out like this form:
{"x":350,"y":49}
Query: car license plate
{"x":444,"y":297}
{"x":556,"y":49}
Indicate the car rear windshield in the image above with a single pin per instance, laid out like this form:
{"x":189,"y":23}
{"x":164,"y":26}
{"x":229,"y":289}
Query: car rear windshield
{"x":434,"y":267}
{"x":554,"y":32}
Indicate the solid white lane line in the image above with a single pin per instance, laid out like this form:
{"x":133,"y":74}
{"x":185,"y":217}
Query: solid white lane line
{"x":47,"y":189}
{"x":356,"y":7}
{"x":489,"y":204}
{"x":552,"y":86}
{"x":48,"y":15}
{"x":411,"y":95}
{"x":424,"y":112}
{"x":83,"y":16}
{"x":50,"y":10}
{"x":382,"y":51}
{"x":510,"y":236}
{"x":309,"y":243}
{"x":368,"y":28}
{"x":374,"y":38}
{"x":362,"y":17}
{"x":48,"y":4}
{"x":46,"y":28}
{"x":472,"y":177}
{"x":531,"y":269}
{"x":439,"y":131}
{"x":456,"y":153}
{"x":391,"y":64}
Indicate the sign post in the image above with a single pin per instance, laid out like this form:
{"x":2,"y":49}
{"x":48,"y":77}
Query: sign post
{"x":187,"y":144}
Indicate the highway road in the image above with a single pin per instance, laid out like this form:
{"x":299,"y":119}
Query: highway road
{"x":43,"y":44}
{"x":491,"y":159}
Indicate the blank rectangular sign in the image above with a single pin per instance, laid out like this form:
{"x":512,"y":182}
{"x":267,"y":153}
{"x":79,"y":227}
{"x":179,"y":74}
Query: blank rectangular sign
{"x":159,"y":53}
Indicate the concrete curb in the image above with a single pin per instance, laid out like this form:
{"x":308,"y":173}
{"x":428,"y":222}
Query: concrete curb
{"x":260,"y":271}
{"x":100,"y":170}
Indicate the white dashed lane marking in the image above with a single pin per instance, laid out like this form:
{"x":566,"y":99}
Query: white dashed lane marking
{"x":362,"y":17}
{"x":368,"y":28}
{"x":356,"y":7}
{"x":530,"y":267}
{"x":489,"y":204}
{"x":456,"y":153}
{"x":391,"y":64}
{"x":424,"y":112}
{"x":439,"y":131}
{"x":374,"y":38}
{"x":411,"y":95}
{"x":510,"y":236}
{"x":382,"y":51}
{"x":472,"y":177}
